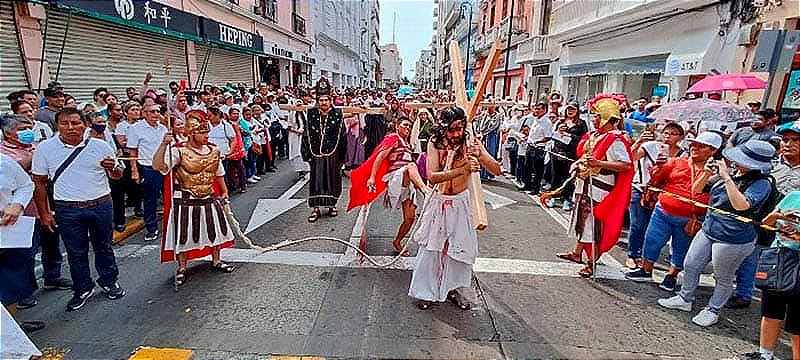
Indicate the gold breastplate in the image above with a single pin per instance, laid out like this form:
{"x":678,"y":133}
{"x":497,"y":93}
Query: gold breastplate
{"x":196,"y":172}
{"x":584,"y":171}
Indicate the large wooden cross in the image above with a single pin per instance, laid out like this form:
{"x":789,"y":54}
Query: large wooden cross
{"x":470,"y":107}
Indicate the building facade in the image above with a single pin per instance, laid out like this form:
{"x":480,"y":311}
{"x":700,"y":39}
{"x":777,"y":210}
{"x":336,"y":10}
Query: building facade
{"x":423,"y":74}
{"x":458,"y":22}
{"x":391,"y":65}
{"x":506,"y":21}
{"x":346,"y":41}
{"x":88,"y":44}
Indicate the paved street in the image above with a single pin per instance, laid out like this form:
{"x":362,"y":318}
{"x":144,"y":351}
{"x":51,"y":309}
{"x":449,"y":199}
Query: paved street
{"x":315,"y":299}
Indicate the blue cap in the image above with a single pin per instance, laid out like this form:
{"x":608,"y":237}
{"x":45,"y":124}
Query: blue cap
{"x":793,"y":126}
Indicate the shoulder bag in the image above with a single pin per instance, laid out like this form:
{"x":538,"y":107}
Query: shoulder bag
{"x":778,"y":271}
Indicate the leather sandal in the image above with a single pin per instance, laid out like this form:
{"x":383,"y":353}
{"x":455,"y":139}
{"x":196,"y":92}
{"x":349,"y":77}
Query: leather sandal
{"x":314,"y":216}
{"x":457,"y":299}
{"x":180,"y":277}
{"x":224,"y":267}
{"x":423,"y":304}
{"x":587,"y":271}
{"x":570,"y":256}
{"x":333,"y":212}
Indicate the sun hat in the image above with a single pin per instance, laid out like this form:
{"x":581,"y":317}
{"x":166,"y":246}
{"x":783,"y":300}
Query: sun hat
{"x":709,"y":138}
{"x":753,"y":154}
{"x":793,"y":126}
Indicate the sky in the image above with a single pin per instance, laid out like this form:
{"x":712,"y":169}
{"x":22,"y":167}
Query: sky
{"x":413,"y":31}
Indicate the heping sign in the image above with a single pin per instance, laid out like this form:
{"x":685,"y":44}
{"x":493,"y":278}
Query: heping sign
{"x":224,"y":34}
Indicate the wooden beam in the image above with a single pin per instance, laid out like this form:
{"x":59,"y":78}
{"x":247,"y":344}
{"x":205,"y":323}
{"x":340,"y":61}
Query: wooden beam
{"x":345,"y":109}
{"x":419,"y":105}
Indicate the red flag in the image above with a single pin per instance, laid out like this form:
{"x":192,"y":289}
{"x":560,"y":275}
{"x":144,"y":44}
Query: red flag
{"x":359,"y":195}
{"x":609,"y":212}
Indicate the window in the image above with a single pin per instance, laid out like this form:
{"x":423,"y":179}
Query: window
{"x":235,"y":2}
{"x":266,"y":8}
{"x":491,"y":15}
{"x":547,"y":10}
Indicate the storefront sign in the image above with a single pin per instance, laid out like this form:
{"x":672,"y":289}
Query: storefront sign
{"x":226,"y":35}
{"x":541,"y":70}
{"x":684,"y":64}
{"x":307,"y":59}
{"x":149,"y":15}
{"x":791,"y":99}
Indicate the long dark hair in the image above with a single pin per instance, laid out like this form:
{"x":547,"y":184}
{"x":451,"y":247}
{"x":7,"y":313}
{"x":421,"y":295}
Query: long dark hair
{"x":446,"y":118}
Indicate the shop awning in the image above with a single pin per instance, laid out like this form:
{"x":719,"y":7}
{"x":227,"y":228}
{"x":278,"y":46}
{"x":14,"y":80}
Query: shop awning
{"x":640,"y":65}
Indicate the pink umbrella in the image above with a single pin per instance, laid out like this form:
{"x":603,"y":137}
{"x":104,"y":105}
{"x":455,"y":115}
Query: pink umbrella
{"x":728,"y":82}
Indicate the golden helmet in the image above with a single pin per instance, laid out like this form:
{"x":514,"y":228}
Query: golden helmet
{"x":607,"y":107}
{"x":196,"y":122}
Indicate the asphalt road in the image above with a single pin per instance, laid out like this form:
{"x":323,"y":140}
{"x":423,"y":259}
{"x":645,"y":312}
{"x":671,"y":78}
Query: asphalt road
{"x":316,"y":299}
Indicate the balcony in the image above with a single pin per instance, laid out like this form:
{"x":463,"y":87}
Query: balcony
{"x":536,"y":49}
{"x":298,"y":24}
{"x":518,"y":33}
{"x":451,"y":13}
{"x":266,"y":9}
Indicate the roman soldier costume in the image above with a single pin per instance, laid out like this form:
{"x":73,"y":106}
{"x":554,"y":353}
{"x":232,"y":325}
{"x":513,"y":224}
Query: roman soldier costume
{"x":197,"y":223}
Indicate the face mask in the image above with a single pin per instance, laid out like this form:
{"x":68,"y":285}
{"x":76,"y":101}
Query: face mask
{"x":26,"y":136}
{"x":99,"y":128}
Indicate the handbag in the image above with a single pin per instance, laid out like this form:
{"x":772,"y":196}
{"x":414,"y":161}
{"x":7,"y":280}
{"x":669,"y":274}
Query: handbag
{"x":510,"y":145}
{"x":778,"y":271}
{"x":694,"y":225}
{"x":649,"y":197}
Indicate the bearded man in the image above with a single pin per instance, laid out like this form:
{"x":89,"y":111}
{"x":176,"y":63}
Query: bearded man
{"x":448,"y":242}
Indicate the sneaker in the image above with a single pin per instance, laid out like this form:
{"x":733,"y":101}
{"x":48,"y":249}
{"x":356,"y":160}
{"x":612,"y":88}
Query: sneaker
{"x":676,"y":303}
{"x":256,"y":177}
{"x":58,"y":284}
{"x":639,"y":275}
{"x":737,"y":302}
{"x":551,"y":203}
{"x":138,"y":213}
{"x":520,"y":184}
{"x":31,"y":325}
{"x":114,"y":291}
{"x":752,"y":356}
{"x":78,"y":300}
{"x":153,"y":236}
{"x":28,"y":302}
{"x":669,"y":283}
{"x":251,"y":180}
{"x":706,"y":318}
{"x":566,"y":205}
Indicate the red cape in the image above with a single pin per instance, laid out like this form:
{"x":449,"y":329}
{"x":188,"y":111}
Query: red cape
{"x":359,"y":195}
{"x":169,"y":255}
{"x":611,"y":211}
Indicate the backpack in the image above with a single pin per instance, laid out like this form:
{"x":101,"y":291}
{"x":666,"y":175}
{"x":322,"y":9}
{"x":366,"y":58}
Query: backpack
{"x":765,"y":237}
{"x":275,"y":131}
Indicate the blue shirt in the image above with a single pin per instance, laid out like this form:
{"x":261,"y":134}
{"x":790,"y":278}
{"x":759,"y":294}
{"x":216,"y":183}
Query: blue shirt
{"x":724,"y":229}
{"x":788,"y":203}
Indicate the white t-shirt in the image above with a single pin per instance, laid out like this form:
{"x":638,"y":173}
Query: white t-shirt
{"x":108,"y":136}
{"x":16,"y":186}
{"x":641,"y":174}
{"x":146,"y":139}
{"x":123,"y":127}
{"x":540,"y":128}
{"x":221,"y":136}
{"x":42,"y":131}
{"x":84,"y":179}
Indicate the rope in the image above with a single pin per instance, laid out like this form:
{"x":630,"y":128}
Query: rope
{"x":237,"y":230}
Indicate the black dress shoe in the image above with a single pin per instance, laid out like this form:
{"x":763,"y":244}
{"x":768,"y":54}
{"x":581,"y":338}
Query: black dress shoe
{"x":119,"y":228}
{"x":58,"y":284}
{"x":28,"y":302}
{"x":31,"y":326}
{"x":736,"y":302}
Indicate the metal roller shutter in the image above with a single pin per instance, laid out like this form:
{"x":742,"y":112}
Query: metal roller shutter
{"x":98,"y":53}
{"x":224,"y":66}
{"x":12,"y":69}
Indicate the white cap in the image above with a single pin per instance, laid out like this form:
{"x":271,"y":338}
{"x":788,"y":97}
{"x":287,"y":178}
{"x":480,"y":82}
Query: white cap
{"x":708,"y":138}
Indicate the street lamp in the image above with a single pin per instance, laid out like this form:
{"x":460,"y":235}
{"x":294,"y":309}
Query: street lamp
{"x":469,"y":37}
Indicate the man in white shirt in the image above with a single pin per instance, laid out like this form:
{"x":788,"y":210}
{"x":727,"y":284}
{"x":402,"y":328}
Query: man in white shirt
{"x":143,"y":139}
{"x":83,"y":208}
{"x":540,"y":133}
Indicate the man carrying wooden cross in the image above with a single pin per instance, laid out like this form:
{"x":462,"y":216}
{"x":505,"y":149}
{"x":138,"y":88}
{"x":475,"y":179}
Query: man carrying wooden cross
{"x":448,"y":241}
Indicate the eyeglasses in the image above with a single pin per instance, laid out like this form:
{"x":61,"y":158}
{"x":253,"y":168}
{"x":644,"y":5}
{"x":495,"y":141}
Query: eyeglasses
{"x":151,"y":111}
{"x":672,"y":134}
{"x":404,"y":126}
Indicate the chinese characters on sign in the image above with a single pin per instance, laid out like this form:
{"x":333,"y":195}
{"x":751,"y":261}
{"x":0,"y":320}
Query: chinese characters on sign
{"x":155,"y":16}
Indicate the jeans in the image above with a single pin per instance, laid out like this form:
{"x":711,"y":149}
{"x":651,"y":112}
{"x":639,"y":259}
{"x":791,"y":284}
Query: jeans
{"x":519,"y":170}
{"x":661,"y":228}
{"x":250,"y":163}
{"x":51,"y":252}
{"x":234,"y":170}
{"x":534,"y":169}
{"x":746,"y":275}
{"x":560,"y":175}
{"x":79,"y":228}
{"x":153,"y":184}
{"x":640,"y":217}
{"x":492,"y":142}
{"x":725,"y":257}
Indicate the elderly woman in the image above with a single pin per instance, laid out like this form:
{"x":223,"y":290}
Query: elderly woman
{"x":16,"y":191}
{"x":725,"y":241}
{"x":671,"y":217}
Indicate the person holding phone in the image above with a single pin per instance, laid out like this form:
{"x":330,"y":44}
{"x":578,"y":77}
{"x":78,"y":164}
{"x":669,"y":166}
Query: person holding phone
{"x":724,"y":241}
{"x":671,"y":216}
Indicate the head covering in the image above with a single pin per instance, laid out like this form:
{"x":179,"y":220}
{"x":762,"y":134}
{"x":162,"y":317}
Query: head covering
{"x":607,"y":106}
{"x":322,"y":87}
{"x":793,"y":126}
{"x":196,"y":122}
{"x":53,"y":91}
{"x":753,"y":154}
{"x":573,"y":105}
{"x":709,"y":138}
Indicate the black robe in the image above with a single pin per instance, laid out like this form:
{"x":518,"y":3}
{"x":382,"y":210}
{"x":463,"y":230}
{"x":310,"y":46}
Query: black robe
{"x":324,"y":146}
{"x":374,"y":130}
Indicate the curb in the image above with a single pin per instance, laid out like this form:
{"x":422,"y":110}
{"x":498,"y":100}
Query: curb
{"x":131,"y":227}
